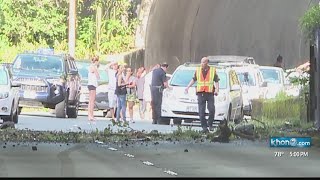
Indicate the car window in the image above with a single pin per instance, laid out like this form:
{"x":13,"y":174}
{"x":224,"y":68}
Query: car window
{"x":3,"y":77}
{"x":183,"y":77}
{"x":246,"y":78}
{"x":233,"y":78}
{"x":38,"y":63}
{"x":271,"y":76}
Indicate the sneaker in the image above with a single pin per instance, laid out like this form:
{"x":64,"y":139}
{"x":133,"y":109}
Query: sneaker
{"x":211,"y":128}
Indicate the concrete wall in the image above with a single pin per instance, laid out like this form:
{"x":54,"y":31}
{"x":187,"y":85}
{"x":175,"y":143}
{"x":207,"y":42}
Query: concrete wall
{"x":185,"y":30}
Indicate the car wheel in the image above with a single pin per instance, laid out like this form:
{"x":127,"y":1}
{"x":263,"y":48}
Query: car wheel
{"x":237,"y":121}
{"x":164,"y":121}
{"x":16,"y":117}
{"x":73,"y":112}
{"x":229,"y":113}
{"x":177,"y":121}
{"x":19,"y":110}
{"x":61,"y":109}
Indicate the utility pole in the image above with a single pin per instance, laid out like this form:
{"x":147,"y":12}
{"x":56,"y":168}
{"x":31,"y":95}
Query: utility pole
{"x":72,"y":27}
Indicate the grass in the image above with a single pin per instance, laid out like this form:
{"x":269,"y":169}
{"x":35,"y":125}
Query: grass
{"x":35,"y":109}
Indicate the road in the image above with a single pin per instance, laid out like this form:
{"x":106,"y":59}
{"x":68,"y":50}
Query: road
{"x":239,"y":158}
{"x":44,"y":121}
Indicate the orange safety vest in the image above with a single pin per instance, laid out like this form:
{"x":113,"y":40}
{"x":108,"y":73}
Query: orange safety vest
{"x":205,"y":84}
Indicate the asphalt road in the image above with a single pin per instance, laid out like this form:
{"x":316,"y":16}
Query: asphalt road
{"x":236,"y":159}
{"x":44,"y":121}
{"x":183,"y":159}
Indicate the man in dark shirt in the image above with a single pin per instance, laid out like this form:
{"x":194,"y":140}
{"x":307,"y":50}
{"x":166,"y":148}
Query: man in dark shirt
{"x":158,"y":83}
{"x":279,"y":62}
{"x":205,"y":96}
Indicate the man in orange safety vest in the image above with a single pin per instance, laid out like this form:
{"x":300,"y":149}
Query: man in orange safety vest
{"x":207,"y":87}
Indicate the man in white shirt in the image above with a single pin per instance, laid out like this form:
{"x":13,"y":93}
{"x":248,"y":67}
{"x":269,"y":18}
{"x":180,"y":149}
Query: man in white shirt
{"x":112,"y":69}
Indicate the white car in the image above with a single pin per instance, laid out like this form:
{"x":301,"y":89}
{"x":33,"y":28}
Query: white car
{"x":253,"y":85}
{"x":9,"y":96}
{"x":276,"y":81}
{"x":179,"y":106}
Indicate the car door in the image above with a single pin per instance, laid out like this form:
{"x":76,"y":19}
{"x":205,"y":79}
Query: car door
{"x":235,"y":94}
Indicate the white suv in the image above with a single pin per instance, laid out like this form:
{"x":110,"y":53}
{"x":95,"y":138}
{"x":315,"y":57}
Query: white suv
{"x":9,"y":96}
{"x":179,"y":106}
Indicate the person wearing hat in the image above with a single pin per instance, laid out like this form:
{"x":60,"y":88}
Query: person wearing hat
{"x":158,"y":83}
{"x":112,"y":69}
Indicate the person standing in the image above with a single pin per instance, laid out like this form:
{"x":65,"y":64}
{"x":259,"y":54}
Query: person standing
{"x":147,"y":90}
{"x":121,"y":92}
{"x":140,"y":81}
{"x":93,"y":76}
{"x":158,"y":83}
{"x":207,"y":87}
{"x":112,"y":69}
{"x":279,"y":62}
{"x":131,"y":92}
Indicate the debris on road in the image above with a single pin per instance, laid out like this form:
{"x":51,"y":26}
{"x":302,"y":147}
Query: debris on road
{"x":186,"y":150}
{"x":34,"y":148}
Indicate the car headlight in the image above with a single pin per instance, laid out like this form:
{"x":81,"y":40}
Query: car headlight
{"x":222,"y":98}
{"x":4,"y":95}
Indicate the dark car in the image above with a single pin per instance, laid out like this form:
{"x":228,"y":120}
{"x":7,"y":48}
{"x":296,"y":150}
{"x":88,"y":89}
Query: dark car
{"x":102,"y":102}
{"x":48,"y":80}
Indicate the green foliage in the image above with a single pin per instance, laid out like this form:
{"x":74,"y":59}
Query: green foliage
{"x":103,"y":26}
{"x":281,"y":107}
{"x":310,"y":21}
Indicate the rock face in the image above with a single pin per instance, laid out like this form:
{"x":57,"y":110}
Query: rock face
{"x":185,"y":30}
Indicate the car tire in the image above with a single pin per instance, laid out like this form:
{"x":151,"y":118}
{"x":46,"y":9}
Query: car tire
{"x":237,"y":121}
{"x":61,"y":109}
{"x":164,"y":121}
{"x":73,"y":112}
{"x":15,"y":117}
{"x":229,"y":113}
{"x":19,"y":110}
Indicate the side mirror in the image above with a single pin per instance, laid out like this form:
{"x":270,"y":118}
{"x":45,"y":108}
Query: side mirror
{"x":264,"y":84}
{"x":73,"y":72}
{"x":15,"y":84}
{"x":235,"y":87}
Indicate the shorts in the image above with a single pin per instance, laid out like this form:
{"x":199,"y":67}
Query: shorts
{"x":131,"y":98}
{"x":91,"y":87}
{"x":112,"y":98}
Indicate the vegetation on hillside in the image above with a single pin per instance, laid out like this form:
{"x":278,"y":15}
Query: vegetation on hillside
{"x":103,"y":26}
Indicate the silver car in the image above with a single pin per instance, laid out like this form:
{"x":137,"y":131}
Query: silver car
{"x":9,"y":96}
{"x":179,"y":106}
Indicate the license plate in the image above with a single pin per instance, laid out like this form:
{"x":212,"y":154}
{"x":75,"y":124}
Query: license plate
{"x":29,"y":95}
{"x":192,"y":109}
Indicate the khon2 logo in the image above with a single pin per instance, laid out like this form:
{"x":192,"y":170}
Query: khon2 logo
{"x":300,"y":142}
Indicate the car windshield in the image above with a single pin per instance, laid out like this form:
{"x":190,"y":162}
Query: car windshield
{"x":38,"y":63}
{"x":83,"y":71}
{"x":3,"y":77}
{"x":246,"y":78}
{"x":271,"y":75}
{"x":183,"y":77}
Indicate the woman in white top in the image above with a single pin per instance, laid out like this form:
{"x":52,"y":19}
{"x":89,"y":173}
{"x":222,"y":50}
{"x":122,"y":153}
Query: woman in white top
{"x":93,"y":76}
